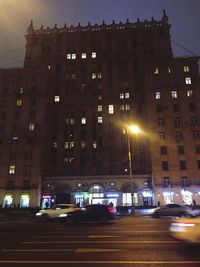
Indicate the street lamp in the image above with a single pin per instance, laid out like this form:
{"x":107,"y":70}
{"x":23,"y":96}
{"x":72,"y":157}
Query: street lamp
{"x":131,"y":129}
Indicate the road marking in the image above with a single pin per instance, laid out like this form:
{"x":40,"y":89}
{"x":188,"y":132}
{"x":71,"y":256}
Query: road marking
{"x":96,"y":262}
{"x":104,"y":242}
{"x":88,"y":250}
{"x":36,"y":250}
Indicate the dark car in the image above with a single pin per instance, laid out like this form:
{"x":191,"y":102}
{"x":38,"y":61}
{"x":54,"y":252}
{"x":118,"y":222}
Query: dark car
{"x":172,"y":210}
{"x":93,"y":212}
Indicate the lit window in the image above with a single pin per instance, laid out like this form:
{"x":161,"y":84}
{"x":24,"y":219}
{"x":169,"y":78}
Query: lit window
{"x":174,"y":94}
{"x":19,"y":102}
{"x":157,"y":95}
{"x":162,"y":135}
{"x":73,"y":56}
{"x":110,"y":109}
{"x":12,"y":169}
{"x":127,"y":95}
{"x":73,"y":76}
{"x":55,"y":144}
{"x":31,"y":126}
{"x":66,"y":145}
{"x":100,"y":119}
{"x":186,"y":68}
{"x":99,"y":76}
{"x":189,"y":93}
{"x":71,"y":121}
{"x":69,"y":56}
{"x":56,"y":98}
{"x":169,"y":70}
{"x":94,"y":75}
{"x":94,"y":145}
{"x":99,"y":108}
{"x":121,"y":96}
{"x":83,"y":144}
{"x":121,"y":107}
{"x":188,"y":80}
{"x":83,"y":120}
{"x":49,"y":67}
{"x":21,"y":90}
{"x":99,"y":97}
{"x":156,"y":71}
{"x":94,"y":54}
{"x":127,"y":107}
{"x":83,"y":55}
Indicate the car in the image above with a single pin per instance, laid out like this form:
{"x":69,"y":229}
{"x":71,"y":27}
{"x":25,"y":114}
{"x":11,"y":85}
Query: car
{"x":91,"y":212}
{"x":186,"y":229}
{"x":172,"y":210}
{"x":53,"y":213}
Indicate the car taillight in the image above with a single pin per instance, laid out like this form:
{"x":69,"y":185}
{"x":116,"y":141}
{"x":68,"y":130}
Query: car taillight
{"x":112,"y":209}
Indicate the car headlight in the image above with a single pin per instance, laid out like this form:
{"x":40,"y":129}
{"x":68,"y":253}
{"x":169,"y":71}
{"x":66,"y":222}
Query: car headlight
{"x":38,"y":213}
{"x":63,"y":215}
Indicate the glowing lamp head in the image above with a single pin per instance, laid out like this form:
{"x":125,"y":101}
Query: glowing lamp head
{"x":134,"y":129}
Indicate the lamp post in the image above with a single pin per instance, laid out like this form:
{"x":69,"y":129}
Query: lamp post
{"x":135,"y":130}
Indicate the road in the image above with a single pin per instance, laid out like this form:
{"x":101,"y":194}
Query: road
{"x":129,"y":241}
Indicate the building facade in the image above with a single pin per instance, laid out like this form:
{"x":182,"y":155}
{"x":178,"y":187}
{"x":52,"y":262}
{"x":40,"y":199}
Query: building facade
{"x":64,"y":118}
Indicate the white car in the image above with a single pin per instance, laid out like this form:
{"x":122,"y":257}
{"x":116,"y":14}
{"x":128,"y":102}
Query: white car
{"x":186,"y":229}
{"x":54,"y":213}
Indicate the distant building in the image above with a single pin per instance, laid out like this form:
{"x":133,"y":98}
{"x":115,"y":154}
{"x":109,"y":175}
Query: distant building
{"x":64,"y":117}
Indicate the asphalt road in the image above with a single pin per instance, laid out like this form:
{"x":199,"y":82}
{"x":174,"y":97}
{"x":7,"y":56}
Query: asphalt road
{"x":129,"y":241}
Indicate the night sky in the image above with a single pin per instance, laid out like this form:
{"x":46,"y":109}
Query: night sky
{"x":15,"y":16}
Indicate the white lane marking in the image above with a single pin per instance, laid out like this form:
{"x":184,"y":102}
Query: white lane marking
{"x":36,"y":250}
{"x":104,"y":242}
{"x":88,"y":250}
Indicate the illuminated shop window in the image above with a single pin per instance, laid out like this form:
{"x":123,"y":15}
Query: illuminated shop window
{"x":56,"y":98}
{"x":127,"y":107}
{"x":24,"y":201}
{"x":12,"y":169}
{"x":121,"y":107}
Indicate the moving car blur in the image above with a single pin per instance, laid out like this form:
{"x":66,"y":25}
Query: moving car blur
{"x":186,"y":229}
{"x":52,"y":213}
{"x":172,"y":210}
{"x":93,"y":212}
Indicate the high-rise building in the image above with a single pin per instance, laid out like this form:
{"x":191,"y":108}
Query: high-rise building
{"x":64,"y":118}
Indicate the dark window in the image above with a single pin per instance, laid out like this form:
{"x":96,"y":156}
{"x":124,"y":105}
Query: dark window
{"x":192,"y":107}
{"x":159,"y":108}
{"x":165,"y":166}
{"x":197,"y":149}
{"x":198,"y":164}
{"x":177,"y":122}
{"x":26,"y":184}
{"x":160,"y":121}
{"x":193,"y":121}
{"x":181,"y":150}
{"x":2,"y":115}
{"x":163,"y":150}
{"x":178,"y":136}
{"x":166,"y":181}
{"x":10,"y":184}
{"x":196,"y":134}
{"x":183,"y":165}
{"x":176,"y":107}
{"x":184,"y":181}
